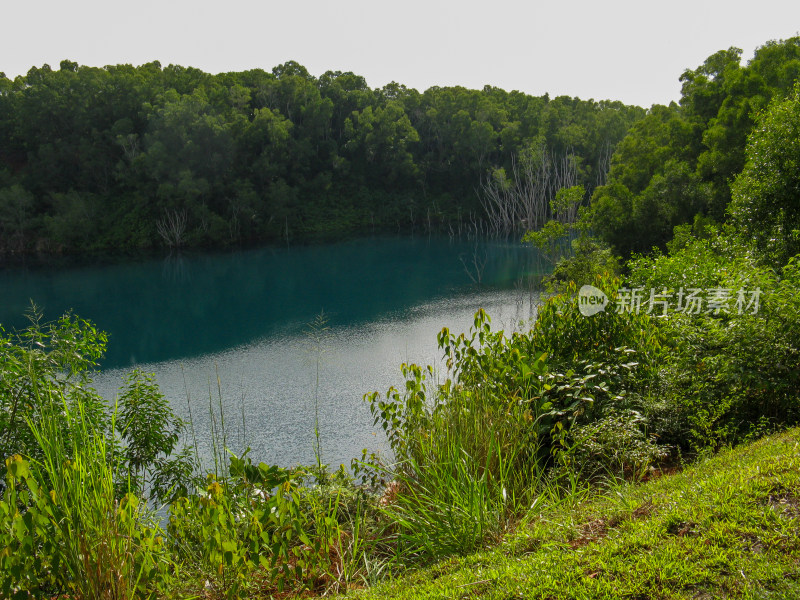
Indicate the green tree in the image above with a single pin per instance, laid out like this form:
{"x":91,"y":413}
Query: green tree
{"x":16,"y":215}
{"x":150,"y":433}
{"x":382,"y":137}
{"x":679,"y":161}
{"x":766,"y":196}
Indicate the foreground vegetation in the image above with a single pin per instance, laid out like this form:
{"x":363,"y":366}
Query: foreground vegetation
{"x":726,"y":527}
{"x":518,"y":427}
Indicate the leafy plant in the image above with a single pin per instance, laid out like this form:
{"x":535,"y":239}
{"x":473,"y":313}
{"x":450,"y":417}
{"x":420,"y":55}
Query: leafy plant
{"x":586,"y":393}
{"x":615,"y":445}
{"x":263,"y":527}
{"x":42,"y":361}
{"x":725,"y":369}
{"x":316,"y":333}
{"x":567,"y":335}
{"x":590,"y":259}
{"x":64,"y":529}
{"x":149,"y":432}
{"x":465,"y":449}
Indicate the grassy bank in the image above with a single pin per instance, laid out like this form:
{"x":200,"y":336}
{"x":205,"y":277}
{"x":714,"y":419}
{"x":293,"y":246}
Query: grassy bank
{"x":726,"y":527}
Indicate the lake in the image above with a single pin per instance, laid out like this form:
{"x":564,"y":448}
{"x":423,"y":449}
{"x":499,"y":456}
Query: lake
{"x":231,"y":330}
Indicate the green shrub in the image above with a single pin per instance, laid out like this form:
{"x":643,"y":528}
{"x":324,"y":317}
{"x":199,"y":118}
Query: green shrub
{"x":566,"y":335}
{"x":725,"y":372}
{"x":74,"y":519}
{"x":584,"y":394}
{"x":591,"y":258}
{"x":149,"y":433}
{"x":615,"y":446}
{"x":42,"y":361}
{"x":55,"y":360}
{"x":266,"y":528}
{"x":64,"y":528}
{"x":766,"y":194}
{"x":465,"y":449}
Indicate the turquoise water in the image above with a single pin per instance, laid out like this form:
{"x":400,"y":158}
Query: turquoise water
{"x":230,"y":329}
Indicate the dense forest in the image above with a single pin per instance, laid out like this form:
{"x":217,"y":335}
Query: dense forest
{"x":123,"y":157}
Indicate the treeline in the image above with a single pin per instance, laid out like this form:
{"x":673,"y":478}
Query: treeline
{"x":125,"y":157}
{"x":677,"y":164}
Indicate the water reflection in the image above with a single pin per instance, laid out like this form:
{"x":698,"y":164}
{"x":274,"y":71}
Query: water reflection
{"x":174,"y":268}
{"x":266,"y":389}
{"x":191,"y":304}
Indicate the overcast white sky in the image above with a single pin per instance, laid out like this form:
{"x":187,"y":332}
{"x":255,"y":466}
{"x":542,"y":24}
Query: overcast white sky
{"x":630,"y":50}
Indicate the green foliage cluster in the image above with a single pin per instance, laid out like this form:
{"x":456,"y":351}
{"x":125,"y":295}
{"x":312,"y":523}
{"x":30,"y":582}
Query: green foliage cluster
{"x":77,"y":474}
{"x":50,"y":363}
{"x":464,"y":450}
{"x":40,"y":361}
{"x":589,"y":259}
{"x":511,"y":422}
{"x":680,"y":160}
{"x":766,"y":195}
{"x":694,"y":379}
{"x":122,"y":157}
{"x":83,"y":480}
{"x":731,"y":373}
{"x":65,"y":528}
{"x":602,"y":371}
{"x":261,"y":528}
{"x":615,"y":445}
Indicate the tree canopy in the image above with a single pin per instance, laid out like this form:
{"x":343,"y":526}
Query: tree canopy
{"x":679,"y":161}
{"x":96,"y":159}
{"x":766,"y":195}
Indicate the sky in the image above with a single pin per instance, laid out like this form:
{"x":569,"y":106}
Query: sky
{"x":634,"y":51}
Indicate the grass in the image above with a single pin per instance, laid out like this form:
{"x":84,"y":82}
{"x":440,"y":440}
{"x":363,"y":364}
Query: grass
{"x":727,"y":527}
{"x":467,"y":478}
{"x":76,"y":533}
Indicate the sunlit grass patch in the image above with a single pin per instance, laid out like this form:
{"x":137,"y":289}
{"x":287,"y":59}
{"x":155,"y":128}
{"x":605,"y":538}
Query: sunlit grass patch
{"x":728,"y":527}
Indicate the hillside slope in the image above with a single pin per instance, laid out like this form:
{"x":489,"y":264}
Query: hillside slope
{"x":728,"y":527}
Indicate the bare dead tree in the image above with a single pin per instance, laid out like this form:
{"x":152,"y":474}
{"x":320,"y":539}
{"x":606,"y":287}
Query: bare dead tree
{"x":234,"y":225}
{"x":534,"y":180}
{"x":498,"y":201}
{"x":522,"y":201}
{"x":603,"y":164}
{"x":172,"y":227}
{"x":566,"y":172}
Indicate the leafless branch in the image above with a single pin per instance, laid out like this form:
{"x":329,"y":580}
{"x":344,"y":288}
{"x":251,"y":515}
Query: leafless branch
{"x":521,"y":201}
{"x":172,"y":227}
